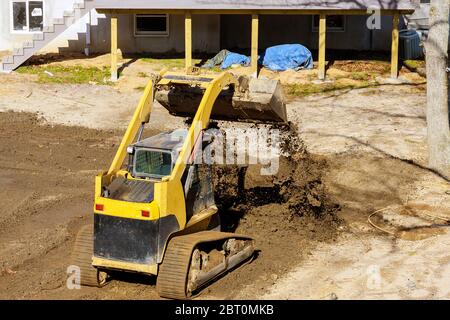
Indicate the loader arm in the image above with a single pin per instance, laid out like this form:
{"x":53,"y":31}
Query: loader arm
{"x":141,"y":115}
{"x":200,"y":121}
{"x":169,"y":193}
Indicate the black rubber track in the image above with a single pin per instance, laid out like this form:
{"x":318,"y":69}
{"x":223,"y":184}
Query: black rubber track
{"x":173,"y":272}
{"x":82,"y":253}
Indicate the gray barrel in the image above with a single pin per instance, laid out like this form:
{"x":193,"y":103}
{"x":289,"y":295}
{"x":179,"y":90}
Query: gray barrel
{"x":410,"y":48}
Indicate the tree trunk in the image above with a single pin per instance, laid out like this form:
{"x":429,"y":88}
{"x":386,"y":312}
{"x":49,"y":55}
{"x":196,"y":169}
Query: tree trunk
{"x":437,"y":88}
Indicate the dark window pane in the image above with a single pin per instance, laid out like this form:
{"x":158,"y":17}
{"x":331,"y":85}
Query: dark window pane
{"x":151,"y":24}
{"x":36,"y":12}
{"x":152,"y":163}
{"x":19,"y":16}
{"x":334,"y":22}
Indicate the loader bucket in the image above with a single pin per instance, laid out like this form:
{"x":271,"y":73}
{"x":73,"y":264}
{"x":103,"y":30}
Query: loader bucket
{"x":253,"y":100}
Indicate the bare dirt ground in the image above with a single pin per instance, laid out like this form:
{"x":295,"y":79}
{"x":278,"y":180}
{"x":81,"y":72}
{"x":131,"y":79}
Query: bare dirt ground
{"x":366,"y":151}
{"x":48,"y":196}
{"x":376,"y":145}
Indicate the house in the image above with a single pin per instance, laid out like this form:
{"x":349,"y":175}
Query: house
{"x":419,"y":19}
{"x":199,"y":26}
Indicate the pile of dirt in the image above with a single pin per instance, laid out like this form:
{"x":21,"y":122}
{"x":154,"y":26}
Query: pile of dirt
{"x":296,"y":185}
{"x":287,"y":213}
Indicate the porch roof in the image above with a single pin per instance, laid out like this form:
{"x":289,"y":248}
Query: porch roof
{"x":255,"y":5}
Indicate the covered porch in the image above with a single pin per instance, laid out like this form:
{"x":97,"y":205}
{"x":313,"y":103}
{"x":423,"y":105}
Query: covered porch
{"x":322,"y":11}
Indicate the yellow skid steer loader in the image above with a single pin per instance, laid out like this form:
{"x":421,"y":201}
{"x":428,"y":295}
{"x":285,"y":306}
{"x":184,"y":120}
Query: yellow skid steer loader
{"x":156,"y":214}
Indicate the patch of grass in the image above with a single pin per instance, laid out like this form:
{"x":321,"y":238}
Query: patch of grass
{"x":216,"y":69}
{"x":414,"y":64}
{"x":140,"y":88}
{"x":67,"y":74}
{"x":142,"y":74}
{"x":306,"y":89}
{"x":360,"y":76}
{"x":168,"y":63}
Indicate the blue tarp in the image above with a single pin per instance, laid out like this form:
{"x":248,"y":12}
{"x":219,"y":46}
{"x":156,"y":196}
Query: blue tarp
{"x":287,"y":56}
{"x":226,"y":59}
{"x":277,"y":58}
{"x":234,"y":58}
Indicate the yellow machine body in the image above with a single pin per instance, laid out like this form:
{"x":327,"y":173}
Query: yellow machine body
{"x":169,"y":198}
{"x":169,"y":225}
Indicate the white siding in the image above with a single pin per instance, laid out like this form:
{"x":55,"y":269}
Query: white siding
{"x":52,"y":9}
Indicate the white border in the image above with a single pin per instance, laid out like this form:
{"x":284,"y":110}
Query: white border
{"x":150,"y":33}
{"x":11,"y":19}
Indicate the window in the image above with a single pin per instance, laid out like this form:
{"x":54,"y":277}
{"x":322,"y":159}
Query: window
{"x":151,"y":25}
{"x":27,"y":16}
{"x":335,"y":23}
{"x":152,"y":163}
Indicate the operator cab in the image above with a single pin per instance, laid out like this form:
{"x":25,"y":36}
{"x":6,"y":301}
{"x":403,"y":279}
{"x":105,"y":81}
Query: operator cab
{"x":151,"y":159}
{"x":154,"y":157}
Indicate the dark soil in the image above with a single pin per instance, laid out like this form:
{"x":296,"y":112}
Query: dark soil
{"x":287,"y":214}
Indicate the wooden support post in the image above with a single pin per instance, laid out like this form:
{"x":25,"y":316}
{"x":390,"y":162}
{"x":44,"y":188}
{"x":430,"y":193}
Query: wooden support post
{"x":114,"y":75}
{"x":188,"y":40}
{"x":394,"y":49}
{"x":322,"y":45}
{"x":254,"y":53}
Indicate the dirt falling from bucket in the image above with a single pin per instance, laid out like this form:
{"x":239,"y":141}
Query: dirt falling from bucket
{"x":287,"y":213}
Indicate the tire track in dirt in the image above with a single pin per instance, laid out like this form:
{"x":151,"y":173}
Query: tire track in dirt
{"x":48,"y":174}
